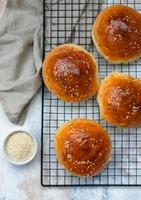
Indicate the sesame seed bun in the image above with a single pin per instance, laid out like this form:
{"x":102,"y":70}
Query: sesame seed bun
{"x":83,"y":147}
{"x":119,"y":98}
{"x":116,"y":33}
{"x":70,"y":73}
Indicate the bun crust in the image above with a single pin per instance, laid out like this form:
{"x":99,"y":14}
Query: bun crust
{"x":119,"y":98}
{"x":83,"y":147}
{"x":70,"y":73}
{"x":117,"y":34}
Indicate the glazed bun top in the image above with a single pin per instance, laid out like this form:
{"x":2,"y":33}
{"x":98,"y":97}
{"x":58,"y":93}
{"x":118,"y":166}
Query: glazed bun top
{"x":83,"y":147}
{"x":119,"y":98}
{"x":70,"y":72}
{"x":117,"y":34}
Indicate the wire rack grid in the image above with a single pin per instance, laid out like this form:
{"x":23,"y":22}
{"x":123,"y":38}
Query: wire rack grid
{"x":67,"y":21}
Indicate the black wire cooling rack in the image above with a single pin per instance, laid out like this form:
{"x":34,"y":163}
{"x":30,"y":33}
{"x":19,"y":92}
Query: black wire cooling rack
{"x":67,"y":21}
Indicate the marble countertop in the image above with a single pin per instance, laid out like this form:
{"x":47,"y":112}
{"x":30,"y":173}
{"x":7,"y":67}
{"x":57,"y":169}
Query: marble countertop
{"x":24,"y":182}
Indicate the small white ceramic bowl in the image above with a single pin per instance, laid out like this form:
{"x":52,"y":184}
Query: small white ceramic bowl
{"x":19,"y":162}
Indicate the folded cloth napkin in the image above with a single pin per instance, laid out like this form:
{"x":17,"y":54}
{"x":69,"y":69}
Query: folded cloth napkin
{"x":20,"y":56}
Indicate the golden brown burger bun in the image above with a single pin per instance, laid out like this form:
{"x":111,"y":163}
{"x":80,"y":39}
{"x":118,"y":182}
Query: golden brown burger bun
{"x":83,"y":147}
{"x":70,"y":73}
{"x":119,"y":98}
{"x":117,"y":34}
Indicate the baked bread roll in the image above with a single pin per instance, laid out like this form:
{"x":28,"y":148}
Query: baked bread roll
{"x":70,"y":73}
{"x":83,"y":147}
{"x":119,"y":98}
{"x":117,"y":34}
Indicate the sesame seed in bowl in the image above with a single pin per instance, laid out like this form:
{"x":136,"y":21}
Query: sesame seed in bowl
{"x":20,"y":147}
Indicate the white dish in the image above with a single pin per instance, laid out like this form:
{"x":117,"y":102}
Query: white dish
{"x":19,"y":162}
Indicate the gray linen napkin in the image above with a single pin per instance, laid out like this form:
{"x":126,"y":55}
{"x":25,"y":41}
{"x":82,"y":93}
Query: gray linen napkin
{"x":20,"y":56}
